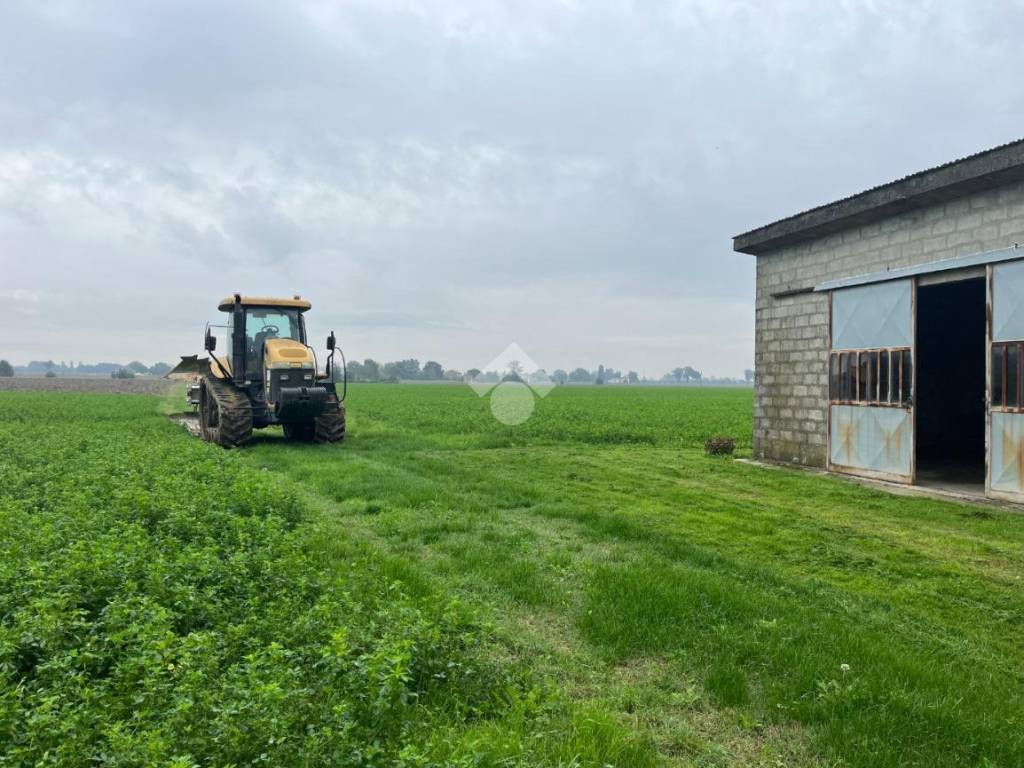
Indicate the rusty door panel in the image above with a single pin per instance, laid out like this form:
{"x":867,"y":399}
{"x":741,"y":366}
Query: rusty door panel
{"x":1005,"y":428}
{"x":872,"y":441}
{"x":868,"y":439}
{"x":1006,"y":463}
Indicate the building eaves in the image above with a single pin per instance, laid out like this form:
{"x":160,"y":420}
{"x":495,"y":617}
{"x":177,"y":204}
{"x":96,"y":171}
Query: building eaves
{"x":984,"y":170}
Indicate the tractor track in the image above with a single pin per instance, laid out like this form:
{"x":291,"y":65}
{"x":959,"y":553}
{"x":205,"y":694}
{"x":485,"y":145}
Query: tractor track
{"x":225,"y":414}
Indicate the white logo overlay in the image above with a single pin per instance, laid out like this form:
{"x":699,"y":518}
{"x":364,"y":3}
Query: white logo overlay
{"x":512,"y":381}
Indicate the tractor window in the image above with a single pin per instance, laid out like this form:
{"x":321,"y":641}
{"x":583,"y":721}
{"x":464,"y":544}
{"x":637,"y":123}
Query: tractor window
{"x":263,"y":324}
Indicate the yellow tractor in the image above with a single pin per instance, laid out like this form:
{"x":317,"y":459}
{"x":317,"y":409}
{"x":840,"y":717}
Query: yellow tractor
{"x":268,"y":376}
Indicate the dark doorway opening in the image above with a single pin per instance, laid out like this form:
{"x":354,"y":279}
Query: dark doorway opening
{"x":950,"y":398}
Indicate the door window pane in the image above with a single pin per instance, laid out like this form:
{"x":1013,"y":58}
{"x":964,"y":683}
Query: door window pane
{"x":894,"y":377}
{"x":844,"y":376}
{"x":997,"y":374}
{"x":1012,"y":358}
{"x":865,"y":374}
{"x":907,"y":376}
{"x":872,"y":377}
{"x":883,"y":376}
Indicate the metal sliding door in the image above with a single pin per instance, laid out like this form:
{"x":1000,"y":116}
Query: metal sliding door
{"x":871,"y":381}
{"x":1004,"y":478}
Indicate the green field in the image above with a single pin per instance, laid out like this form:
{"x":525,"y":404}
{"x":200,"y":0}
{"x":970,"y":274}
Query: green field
{"x":586,"y":589}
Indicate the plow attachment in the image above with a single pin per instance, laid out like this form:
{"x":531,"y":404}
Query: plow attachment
{"x":189,"y":369}
{"x":190,"y":366}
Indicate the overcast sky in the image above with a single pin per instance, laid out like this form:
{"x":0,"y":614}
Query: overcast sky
{"x":443,"y":179}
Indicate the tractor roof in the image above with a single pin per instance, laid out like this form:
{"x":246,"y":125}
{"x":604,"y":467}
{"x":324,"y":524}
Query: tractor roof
{"x":264,"y":301}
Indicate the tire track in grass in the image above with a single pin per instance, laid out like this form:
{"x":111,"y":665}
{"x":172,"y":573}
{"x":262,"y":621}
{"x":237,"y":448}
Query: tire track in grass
{"x":551,"y":624}
{"x":836,"y":547}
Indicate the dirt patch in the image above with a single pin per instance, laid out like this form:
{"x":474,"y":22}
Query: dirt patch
{"x":189,"y":420}
{"x":137,"y":386}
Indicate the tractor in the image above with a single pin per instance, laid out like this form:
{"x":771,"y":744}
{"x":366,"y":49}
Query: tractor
{"x":268,"y":376}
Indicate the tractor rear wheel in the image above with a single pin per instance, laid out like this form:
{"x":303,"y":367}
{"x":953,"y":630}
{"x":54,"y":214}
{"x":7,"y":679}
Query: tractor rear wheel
{"x":330,"y":425}
{"x":225,"y":414}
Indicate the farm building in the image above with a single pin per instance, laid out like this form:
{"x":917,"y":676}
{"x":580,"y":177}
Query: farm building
{"x":889,"y":334}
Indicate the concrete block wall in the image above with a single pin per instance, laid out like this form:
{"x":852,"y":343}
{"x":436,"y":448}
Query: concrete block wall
{"x":792,"y":333}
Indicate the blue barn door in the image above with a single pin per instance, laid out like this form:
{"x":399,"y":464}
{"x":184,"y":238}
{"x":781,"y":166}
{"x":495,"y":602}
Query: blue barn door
{"x":871,"y":381}
{"x":1004,"y":476}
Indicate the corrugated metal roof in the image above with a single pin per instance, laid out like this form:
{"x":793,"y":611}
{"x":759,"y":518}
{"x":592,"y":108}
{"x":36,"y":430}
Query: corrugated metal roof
{"x":814,"y":220}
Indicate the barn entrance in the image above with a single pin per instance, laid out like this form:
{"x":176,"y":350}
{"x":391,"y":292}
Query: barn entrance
{"x":950,"y":385}
{"x":926,"y":375}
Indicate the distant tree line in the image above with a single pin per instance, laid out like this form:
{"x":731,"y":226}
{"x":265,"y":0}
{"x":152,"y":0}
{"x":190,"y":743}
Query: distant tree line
{"x":369,"y":370}
{"x":71,"y":368}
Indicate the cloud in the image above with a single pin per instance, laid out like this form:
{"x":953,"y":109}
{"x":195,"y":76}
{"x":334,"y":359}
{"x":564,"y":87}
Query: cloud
{"x":443,"y":178}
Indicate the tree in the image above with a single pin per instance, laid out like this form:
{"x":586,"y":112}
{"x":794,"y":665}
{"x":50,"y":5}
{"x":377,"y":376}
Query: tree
{"x":160,"y":369}
{"x":580,"y":375}
{"x":371,"y":369}
{"x":136,"y":367}
{"x":6,"y":369}
{"x":354,"y":371}
{"x":452,"y":375}
{"x":432,"y":371}
{"x":692,"y":374}
{"x":748,"y":375}
{"x":677,"y":374}
{"x":122,"y":373}
{"x":559,"y":376}
{"x":600,"y":375}
{"x":51,"y":374}
{"x":539,"y":376}
{"x":405,"y":370}
{"x":632,"y":377}
{"x":472,"y":373}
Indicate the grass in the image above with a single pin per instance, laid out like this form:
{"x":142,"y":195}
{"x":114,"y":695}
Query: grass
{"x":632,"y":601}
{"x":453,"y":416}
{"x":162,"y":603}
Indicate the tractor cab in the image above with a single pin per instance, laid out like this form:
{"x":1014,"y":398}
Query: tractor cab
{"x":270,"y":357}
{"x":265,"y":331}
